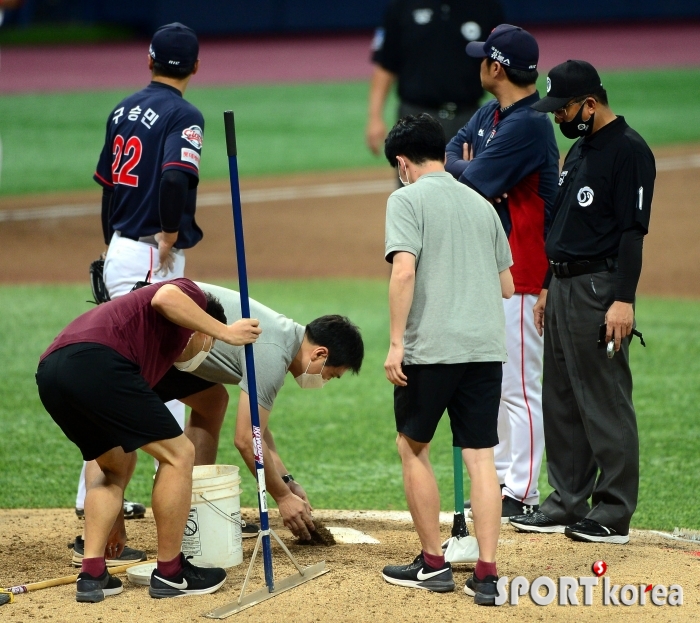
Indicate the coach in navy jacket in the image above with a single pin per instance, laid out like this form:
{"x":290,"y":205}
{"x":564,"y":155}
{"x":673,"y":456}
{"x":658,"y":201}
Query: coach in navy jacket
{"x":507,"y":153}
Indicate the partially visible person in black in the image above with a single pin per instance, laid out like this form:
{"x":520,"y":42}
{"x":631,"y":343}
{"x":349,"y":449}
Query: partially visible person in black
{"x":421,"y":46}
{"x":594,"y":249}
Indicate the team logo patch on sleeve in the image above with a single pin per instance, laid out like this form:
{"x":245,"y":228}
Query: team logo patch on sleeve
{"x":193,"y":135}
{"x":189,"y":155}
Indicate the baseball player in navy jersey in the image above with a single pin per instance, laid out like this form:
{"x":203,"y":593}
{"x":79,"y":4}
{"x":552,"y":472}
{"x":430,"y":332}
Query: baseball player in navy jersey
{"x":149,"y":171}
{"x":507,"y":152}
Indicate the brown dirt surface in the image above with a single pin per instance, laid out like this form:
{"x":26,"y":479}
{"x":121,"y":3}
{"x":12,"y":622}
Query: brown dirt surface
{"x":33,"y":548}
{"x":320,"y":236}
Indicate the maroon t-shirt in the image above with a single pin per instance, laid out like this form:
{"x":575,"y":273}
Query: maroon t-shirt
{"x":132,"y":327}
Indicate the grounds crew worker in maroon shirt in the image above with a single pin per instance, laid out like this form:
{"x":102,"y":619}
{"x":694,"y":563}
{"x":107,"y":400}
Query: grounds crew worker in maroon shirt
{"x":96,"y":382}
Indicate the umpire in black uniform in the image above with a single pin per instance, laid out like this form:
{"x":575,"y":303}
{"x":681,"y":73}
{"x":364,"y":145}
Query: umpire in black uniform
{"x":594,"y":249}
{"x":421,"y":45}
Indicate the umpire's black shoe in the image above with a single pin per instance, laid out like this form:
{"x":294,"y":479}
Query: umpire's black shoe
{"x":190,"y":581}
{"x":419,"y":575}
{"x":593,"y":532}
{"x":483,"y":591}
{"x":91,"y":589}
{"x":535,"y":522}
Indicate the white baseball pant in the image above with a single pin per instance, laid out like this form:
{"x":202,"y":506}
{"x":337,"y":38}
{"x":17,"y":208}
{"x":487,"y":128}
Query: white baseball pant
{"x":127,"y":262}
{"x":518,"y":456}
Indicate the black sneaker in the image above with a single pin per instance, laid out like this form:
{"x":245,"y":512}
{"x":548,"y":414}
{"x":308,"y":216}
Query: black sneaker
{"x":535,"y":522}
{"x":190,"y":581}
{"x":419,"y":575}
{"x":249,"y":530}
{"x":127,"y":556}
{"x":512,"y":507}
{"x":593,"y":532}
{"x":91,"y":589}
{"x":483,"y":591}
{"x":132,"y":510}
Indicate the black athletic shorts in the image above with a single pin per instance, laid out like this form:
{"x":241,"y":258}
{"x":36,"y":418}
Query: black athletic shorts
{"x":101,"y":401}
{"x":471,"y":393}
{"x":176,"y":385}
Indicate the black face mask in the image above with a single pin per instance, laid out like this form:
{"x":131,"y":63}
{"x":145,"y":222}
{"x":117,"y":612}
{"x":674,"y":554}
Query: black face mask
{"x":577,"y":126}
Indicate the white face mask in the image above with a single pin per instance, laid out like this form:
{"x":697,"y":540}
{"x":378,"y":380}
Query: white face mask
{"x":192,"y":364}
{"x":407,"y":182}
{"x":311,"y":381}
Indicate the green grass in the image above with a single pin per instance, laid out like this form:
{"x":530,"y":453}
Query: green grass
{"x":51,"y":142}
{"x":339,"y":442}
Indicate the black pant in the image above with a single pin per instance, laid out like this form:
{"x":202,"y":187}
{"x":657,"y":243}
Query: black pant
{"x":590,"y":427}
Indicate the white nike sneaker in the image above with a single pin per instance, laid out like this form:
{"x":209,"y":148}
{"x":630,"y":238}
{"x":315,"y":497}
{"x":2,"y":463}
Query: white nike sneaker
{"x":419,"y":575}
{"x":190,"y":581}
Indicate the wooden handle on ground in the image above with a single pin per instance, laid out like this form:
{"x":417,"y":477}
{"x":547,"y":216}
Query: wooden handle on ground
{"x":66,"y":579}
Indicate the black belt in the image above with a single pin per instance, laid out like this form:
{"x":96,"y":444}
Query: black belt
{"x":584,"y":267}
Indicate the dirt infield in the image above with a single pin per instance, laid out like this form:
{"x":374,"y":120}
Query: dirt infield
{"x":33,"y":548}
{"x":322,"y":236}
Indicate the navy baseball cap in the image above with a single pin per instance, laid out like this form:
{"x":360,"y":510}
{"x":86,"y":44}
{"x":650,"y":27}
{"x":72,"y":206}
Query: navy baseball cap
{"x":509,"y":45}
{"x":566,"y":82}
{"x":174,"y":45}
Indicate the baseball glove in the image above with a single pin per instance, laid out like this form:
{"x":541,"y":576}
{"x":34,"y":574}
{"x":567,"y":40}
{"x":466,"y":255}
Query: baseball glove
{"x":97,"y":282}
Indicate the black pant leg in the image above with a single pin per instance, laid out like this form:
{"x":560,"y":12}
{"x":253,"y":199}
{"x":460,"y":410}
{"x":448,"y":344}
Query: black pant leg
{"x":570,"y":465}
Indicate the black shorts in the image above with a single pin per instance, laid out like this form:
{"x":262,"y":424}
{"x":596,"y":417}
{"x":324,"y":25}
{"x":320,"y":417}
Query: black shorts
{"x":471,"y":393}
{"x":101,"y":401}
{"x":176,"y":385}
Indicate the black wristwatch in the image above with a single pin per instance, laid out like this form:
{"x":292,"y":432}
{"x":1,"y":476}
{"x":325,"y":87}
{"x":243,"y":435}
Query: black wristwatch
{"x":288,"y":478}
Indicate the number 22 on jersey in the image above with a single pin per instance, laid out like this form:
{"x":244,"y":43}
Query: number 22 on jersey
{"x":130,"y":152}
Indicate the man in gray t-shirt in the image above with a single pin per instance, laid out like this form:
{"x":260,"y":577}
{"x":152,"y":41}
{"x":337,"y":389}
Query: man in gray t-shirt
{"x":450,"y":268}
{"x":325,"y":349}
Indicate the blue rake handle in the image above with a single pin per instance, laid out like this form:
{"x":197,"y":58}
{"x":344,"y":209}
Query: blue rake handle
{"x":231,"y":150}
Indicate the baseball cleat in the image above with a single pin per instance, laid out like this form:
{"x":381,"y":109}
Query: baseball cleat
{"x":190,"y":581}
{"x":535,"y":522}
{"x":419,"y":575}
{"x":512,"y":507}
{"x":91,"y":589}
{"x":127,"y":556}
{"x":591,"y":531}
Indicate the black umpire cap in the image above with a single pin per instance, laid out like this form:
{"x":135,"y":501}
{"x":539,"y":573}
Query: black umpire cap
{"x":568,"y":81}
{"x":174,"y":45}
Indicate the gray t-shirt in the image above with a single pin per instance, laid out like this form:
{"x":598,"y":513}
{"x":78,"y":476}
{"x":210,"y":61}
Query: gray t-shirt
{"x":460,"y":247}
{"x":273,"y":352}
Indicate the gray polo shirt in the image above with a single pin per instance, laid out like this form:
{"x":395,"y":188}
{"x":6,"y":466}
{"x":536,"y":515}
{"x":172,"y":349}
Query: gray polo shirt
{"x":460,"y":247}
{"x":273,"y":352}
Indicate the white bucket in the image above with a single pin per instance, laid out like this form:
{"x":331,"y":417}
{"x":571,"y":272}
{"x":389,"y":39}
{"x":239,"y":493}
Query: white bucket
{"x":213,"y":530}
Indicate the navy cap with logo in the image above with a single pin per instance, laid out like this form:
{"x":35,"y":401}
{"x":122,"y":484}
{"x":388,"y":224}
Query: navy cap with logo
{"x":509,"y":45}
{"x":566,"y":82}
{"x":174,"y":45}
